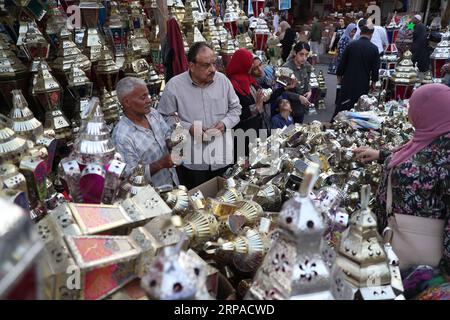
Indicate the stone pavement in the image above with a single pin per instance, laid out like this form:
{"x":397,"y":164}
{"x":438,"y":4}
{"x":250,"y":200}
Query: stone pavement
{"x":330,"y":81}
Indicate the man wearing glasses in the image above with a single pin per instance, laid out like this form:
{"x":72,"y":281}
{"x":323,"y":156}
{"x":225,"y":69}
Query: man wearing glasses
{"x":208,"y":107}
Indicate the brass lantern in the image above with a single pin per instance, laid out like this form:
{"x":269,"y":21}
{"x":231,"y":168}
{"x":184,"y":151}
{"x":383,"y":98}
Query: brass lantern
{"x":92,"y":39}
{"x":107,"y":72}
{"x":115,"y":29}
{"x":404,"y":77}
{"x":261,"y":34}
{"x":80,"y":88}
{"x":35,"y":46}
{"x":230,"y":19}
{"x":13,"y":75}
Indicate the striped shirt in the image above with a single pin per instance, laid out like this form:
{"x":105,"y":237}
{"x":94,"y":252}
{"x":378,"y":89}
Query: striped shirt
{"x":137,"y":144}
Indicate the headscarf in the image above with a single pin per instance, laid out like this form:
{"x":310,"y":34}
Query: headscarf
{"x":238,"y":71}
{"x":284,"y":25}
{"x":348,"y":30}
{"x":429,"y":113}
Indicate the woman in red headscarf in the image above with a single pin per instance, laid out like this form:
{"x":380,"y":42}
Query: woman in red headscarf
{"x":420,"y":169}
{"x":249,"y":93}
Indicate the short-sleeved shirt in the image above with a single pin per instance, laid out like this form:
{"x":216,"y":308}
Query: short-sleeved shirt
{"x":208,"y":104}
{"x":279,"y":122}
{"x":137,"y":145}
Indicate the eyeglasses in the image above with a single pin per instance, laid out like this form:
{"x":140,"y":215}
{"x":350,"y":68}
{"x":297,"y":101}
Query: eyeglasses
{"x":206,"y":65}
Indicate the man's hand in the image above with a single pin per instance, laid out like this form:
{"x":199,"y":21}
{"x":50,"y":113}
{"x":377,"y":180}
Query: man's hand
{"x":366,"y":154}
{"x":196,"y":130}
{"x":308,"y":95}
{"x":219,"y":126}
{"x":291,"y":85}
{"x":304,"y":101}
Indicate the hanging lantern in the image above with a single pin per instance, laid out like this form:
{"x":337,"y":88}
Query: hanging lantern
{"x":106,"y":70}
{"x":258,"y":7}
{"x":404,"y":77}
{"x":115,"y":29}
{"x":13,"y":75}
{"x":261,"y":34}
{"x":440,"y":56}
{"x":228,"y":50}
{"x":230,"y":19}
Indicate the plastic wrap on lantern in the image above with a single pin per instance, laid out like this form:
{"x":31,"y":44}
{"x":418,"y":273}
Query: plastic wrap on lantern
{"x":247,"y":250}
{"x":230,"y":19}
{"x":171,"y":277}
{"x":293,"y":267}
{"x":404,"y":77}
{"x":21,"y":255}
{"x":361,"y":256}
{"x":261,"y":34}
{"x":440,"y":56}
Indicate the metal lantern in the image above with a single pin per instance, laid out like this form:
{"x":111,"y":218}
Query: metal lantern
{"x":90,"y":10}
{"x":68,"y":54}
{"x":228,"y":50}
{"x":440,"y":56}
{"x":404,"y":77}
{"x":115,"y":29}
{"x":13,"y":75}
{"x":80,"y":88}
{"x":261,"y":34}
{"x":230,"y":19}
{"x":35,"y":46}
{"x":46,"y":89}
{"x":258,"y":7}
{"x":106,"y":70}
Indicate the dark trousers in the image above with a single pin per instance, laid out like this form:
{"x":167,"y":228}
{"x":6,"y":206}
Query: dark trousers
{"x":298,"y":118}
{"x":192,"y":178}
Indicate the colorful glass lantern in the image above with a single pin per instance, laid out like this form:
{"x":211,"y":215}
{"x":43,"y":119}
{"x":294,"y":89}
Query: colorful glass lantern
{"x":404,"y":77}
{"x":34,"y":45}
{"x":230,"y":19}
{"x":261,"y":34}
{"x":440,"y":56}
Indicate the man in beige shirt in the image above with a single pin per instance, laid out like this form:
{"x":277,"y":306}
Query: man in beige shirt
{"x":208,"y":107}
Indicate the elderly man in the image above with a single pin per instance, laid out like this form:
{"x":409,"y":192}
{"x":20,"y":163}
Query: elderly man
{"x":419,"y":48}
{"x":207,"y":106}
{"x":142,"y":135}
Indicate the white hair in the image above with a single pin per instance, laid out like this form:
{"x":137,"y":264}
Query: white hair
{"x":126,"y":85}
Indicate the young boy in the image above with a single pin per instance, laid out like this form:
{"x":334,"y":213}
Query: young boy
{"x":283,"y":118}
